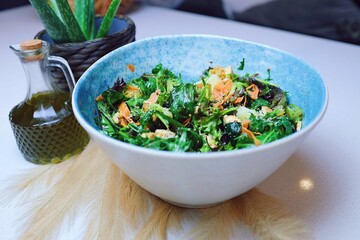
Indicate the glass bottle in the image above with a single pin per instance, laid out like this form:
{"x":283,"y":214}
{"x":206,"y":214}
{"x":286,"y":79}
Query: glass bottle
{"x":44,"y":125}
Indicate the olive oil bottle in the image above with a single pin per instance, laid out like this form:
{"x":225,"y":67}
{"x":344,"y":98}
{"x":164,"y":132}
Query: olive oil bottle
{"x":44,"y":126}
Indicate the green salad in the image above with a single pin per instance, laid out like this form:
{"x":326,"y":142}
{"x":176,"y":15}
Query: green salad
{"x":222,"y":111}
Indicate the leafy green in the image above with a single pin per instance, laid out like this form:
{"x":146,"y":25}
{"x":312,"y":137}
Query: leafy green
{"x":242,"y":141}
{"x":294,"y":112}
{"x":210,"y":124}
{"x":146,"y":83}
{"x":258,"y":103}
{"x":204,"y":96}
{"x":183,"y":143}
{"x":242,"y":64}
{"x":259,"y":124}
{"x":113,"y":97}
{"x":186,"y":118}
{"x":183,"y":100}
{"x":269,"y":75}
{"x":284,"y":125}
{"x":146,"y":118}
{"x":279,"y":98}
{"x":108,"y":126}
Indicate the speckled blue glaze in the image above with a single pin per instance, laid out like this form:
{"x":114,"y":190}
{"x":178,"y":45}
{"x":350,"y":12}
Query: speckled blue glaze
{"x":190,"y":55}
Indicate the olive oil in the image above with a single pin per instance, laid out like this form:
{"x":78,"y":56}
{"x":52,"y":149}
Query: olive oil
{"x":46,"y":130}
{"x":44,"y":125}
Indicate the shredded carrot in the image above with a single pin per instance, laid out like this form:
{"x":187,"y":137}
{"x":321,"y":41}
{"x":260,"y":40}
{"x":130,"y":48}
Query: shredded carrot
{"x":238,"y":100}
{"x":123,"y":122}
{"x":219,"y":105}
{"x":244,"y":129}
{"x":99,"y":98}
{"x":217,"y":92}
{"x":221,"y":89}
{"x":200,"y":85}
{"x":251,"y":135}
{"x":225,"y":96}
{"x":253,"y":91}
{"x":228,"y":97}
{"x":245,"y":123}
{"x":154,"y":96}
{"x":125,"y":112}
{"x":187,"y":121}
{"x":227,"y":86}
{"x":131,"y":67}
{"x":152,"y":99}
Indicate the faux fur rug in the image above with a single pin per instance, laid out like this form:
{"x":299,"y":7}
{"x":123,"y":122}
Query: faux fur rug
{"x":115,"y":207}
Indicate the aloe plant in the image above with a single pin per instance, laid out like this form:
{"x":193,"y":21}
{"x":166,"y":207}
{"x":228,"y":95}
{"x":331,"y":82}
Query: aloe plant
{"x":65,"y":26}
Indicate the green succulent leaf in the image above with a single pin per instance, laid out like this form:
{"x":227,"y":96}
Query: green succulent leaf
{"x":55,"y":8}
{"x":75,"y":32}
{"x":85,"y":15}
{"x":52,"y":23}
{"x":108,"y":18}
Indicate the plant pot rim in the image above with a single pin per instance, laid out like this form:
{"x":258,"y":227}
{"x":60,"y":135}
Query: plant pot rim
{"x":130,"y":27}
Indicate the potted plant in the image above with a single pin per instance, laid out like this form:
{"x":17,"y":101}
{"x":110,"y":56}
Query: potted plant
{"x":79,"y":35}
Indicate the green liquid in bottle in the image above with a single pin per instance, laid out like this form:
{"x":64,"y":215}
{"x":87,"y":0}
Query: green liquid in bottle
{"x":44,"y":125}
{"x":45,"y":128}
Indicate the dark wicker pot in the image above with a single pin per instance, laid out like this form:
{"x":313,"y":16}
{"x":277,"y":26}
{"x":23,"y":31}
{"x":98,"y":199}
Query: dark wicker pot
{"x":81,"y":56}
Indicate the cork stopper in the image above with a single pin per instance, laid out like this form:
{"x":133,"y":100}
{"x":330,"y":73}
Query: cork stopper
{"x":31,"y":44}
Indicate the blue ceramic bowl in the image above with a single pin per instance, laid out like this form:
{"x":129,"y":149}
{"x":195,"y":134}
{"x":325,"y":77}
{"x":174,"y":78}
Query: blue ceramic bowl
{"x":200,"y":179}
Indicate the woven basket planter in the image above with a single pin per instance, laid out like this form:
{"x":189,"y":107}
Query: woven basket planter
{"x":81,"y":56}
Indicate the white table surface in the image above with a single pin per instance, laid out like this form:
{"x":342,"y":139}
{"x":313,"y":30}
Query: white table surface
{"x":329,"y":158}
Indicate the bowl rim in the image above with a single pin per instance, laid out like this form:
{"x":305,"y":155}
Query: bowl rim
{"x":197,"y":155}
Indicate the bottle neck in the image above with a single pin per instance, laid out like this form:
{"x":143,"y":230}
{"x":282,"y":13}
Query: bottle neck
{"x":43,"y":103}
{"x":34,"y":63}
{"x":37,"y":78}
